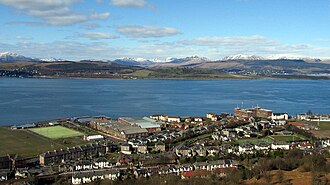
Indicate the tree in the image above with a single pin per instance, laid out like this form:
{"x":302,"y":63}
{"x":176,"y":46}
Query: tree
{"x":280,"y":176}
{"x":309,"y":113}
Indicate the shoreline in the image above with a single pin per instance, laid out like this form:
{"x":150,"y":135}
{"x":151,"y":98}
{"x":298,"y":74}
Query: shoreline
{"x":183,"y":78}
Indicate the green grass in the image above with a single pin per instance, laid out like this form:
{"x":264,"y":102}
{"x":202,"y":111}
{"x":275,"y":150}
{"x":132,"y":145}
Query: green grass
{"x":141,"y":73}
{"x":27,"y":143}
{"x":324,"y":126}
{"x":56,"y":132}
{"x":271,"y":139}
{"x":24,"y":143}
{"x":254,"y":140}
{"x":324,"y":131}
{"x":289,"y":138}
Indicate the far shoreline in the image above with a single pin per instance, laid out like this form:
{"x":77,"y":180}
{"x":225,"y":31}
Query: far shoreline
{"x":183,"y":78}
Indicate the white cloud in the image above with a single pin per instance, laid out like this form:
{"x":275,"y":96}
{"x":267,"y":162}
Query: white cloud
{"x":147,"y":31}
{"x":73,"y":50}
{"x":90,"y":26}
{"x":38,"y":4}
{"x":53,"y":12}
{"x":129,"y":3}
{"x":24,"y":37}
{"x":99,"y":35}
{"x":230,"y":41}
{"x":77,"y":50}
{"x":70,"y":50}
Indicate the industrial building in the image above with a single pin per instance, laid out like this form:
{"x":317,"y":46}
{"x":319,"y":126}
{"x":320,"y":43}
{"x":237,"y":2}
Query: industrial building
{"x":256,"y":112}
{"x":146,"y":123}
{"x":118,"y":129}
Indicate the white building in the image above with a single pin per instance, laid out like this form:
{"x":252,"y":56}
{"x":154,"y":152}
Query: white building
{"x":302,"y":116}
{"x":90,"y":176}
{"x":246,"y":148}
{"x":280,"y":146}
{"x":212,"y":116}
{"x":173,"y":119}
{"x":93,"y":137}
{"x":280,"y":116}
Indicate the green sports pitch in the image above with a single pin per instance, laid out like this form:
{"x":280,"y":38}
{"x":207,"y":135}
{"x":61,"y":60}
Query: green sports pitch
{"x":56,"y":132}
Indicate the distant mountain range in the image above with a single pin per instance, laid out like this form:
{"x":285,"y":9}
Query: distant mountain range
{"x":236,"y":64}
{"x":14,"y":57}
{"x":232,"y":67}
{"x":196,"y":61}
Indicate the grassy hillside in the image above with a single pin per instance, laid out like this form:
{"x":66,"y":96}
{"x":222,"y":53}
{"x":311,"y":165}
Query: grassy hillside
{"x":287,"y":69}
{"x":27,"y":143}
{"x":186,"y":73}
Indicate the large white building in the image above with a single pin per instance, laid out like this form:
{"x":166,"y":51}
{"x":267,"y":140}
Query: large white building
{"x":280,"y":116}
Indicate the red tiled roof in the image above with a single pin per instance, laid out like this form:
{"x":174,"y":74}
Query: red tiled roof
{"x":298,"y":124}
{"x":188,"y":174}
{"x":305,"y":144}
{"x":224,"y":170}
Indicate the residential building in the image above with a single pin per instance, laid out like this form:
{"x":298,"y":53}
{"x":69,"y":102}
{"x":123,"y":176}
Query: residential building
{"x":197,"y":119}
{"x":280,"y":116}
{"x":172,"y":119}
{"x":212,"y":151}
{"x":246,"y":148}
{"x":262,"y":146}
{"x":75,"y":153}
{"x":93,"y":138}
{"x":143,"y":149}
{"x":280,"y":146}
{"x":304,"y":145}
{"x":183,"y":151}
{"x":125,"y":148}
{"x":84,"y":177}
{"x":302,"y":116}
{"x":4,"y":175}
{"x":5,"y":162}
{"x":159,"y":117}
{"x":160,"y":147}
{"x":212,"y":116}
{"x":200,"y":151}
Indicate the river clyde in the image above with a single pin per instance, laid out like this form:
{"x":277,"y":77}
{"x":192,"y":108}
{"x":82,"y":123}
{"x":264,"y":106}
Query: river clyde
{"x":25,"y":100}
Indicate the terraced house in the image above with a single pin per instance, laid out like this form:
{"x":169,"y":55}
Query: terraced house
{"x":75,"y":153}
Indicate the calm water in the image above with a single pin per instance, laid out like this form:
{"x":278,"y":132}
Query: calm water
{"x":28,"y":100}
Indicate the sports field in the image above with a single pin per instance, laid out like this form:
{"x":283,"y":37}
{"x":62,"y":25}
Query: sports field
{"x":272,"y":139}
{"x":56,"y":132}
{"x":289,"y":138}
{"x":24,"y":143}
{"x":324,"y":131}
{"x":254,"y":141}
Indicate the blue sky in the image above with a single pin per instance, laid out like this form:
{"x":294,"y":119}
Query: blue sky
{"x":109,"y":29}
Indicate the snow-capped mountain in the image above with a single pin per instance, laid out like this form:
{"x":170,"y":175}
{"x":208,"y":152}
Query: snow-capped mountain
{"x":272,"y":57}
{"x":52,"y":59}
{"x":192,"y":59}
{"x":243,"y":57}
{"x":14,"y":57}
{"x":170,"y":61}
{"x":293,"y":57}
{"x":134,"y":61}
